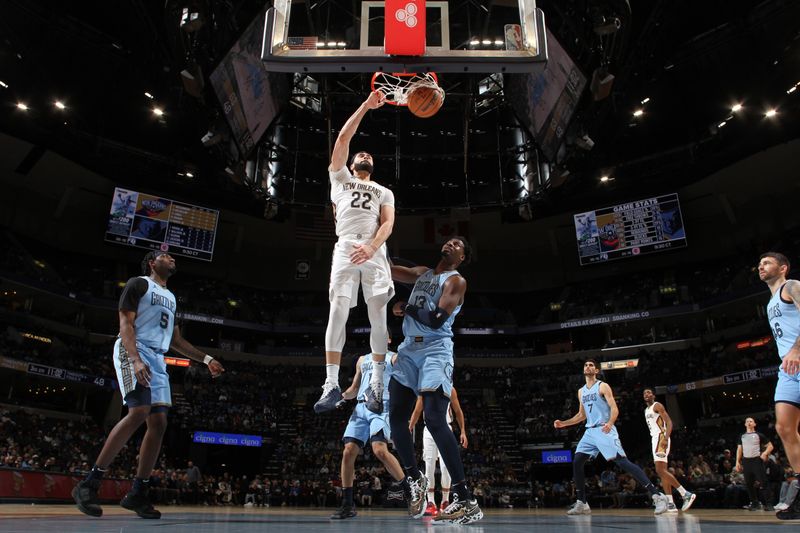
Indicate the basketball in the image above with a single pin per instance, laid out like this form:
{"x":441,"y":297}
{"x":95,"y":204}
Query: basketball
{"x":425,"y":102}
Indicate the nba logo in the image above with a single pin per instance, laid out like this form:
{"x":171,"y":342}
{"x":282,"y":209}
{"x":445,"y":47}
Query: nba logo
{"x":405,"y":27}
{"x":635,"y":251}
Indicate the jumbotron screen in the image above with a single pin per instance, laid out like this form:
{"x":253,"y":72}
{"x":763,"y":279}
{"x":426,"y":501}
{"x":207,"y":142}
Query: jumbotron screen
{"x":629,"y":229}
{"x":156,"y":223}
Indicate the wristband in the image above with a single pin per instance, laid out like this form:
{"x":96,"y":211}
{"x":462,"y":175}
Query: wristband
{"x":207,"y":359}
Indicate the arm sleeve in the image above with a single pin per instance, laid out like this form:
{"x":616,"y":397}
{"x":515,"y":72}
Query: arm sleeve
{"x":132,"y":293}
{"x":341,"y":175}
{"x":388,"y":197}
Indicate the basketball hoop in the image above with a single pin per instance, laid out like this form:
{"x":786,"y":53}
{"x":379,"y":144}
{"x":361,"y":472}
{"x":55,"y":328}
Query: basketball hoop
{"x":398,"y":85}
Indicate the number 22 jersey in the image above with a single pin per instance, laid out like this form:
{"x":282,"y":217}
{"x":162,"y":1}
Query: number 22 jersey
{"x":358,"y":204}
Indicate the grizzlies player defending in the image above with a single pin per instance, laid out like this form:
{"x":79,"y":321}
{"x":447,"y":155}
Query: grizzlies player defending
{"x":425,"y":367}
{"x":660,"y":425}
{"x":599,"y":409}
{"x":364,"y":212}
{"x":783,"y":313}
{"x":365,"y":426}
{"x":146,"y":330}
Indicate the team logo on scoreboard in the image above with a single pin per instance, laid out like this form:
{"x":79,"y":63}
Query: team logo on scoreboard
{"x":635,"y":251}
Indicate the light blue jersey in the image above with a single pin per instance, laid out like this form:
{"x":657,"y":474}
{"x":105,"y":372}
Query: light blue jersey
{"x":594,"y":439}
{"x":425,"y":295}
{"x":595,"y":406}
{"x":366,"y":376}
{"x":784,"y":320}
{"x":155,"y":317}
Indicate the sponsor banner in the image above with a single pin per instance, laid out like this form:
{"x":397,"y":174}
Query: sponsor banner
{"x":228,"y":439}
{"x":28,"y":484}
{"x":555,"y":457}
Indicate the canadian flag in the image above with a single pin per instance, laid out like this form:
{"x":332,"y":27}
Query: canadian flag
{"x":404,"y":27}
{"x":439,"y":230}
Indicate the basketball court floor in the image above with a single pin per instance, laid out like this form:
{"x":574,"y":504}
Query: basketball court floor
{"x":66,"y":519}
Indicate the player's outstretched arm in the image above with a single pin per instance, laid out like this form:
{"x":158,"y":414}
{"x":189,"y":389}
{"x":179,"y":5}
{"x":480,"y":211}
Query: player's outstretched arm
{"x":579,"y":417}
{"x":184,"y":347}
{"x":342,"y":147}
{"x":407,"y":274}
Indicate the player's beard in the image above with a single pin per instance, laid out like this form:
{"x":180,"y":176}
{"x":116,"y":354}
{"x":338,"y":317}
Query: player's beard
{"x":363,"y":166}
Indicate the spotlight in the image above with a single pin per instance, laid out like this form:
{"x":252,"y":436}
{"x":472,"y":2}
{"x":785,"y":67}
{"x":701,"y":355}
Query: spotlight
{"x":59,"y":105}
{"x":150,"y":96}
{"x":792,"y":89}
{"x":721,"y":124}
{"x":638,"y":113}
{"x":604,"y":178}
{"x":736,"y":108}
{"x":3,"y":84}
{"x":189,"y":175}
{"x":645,"y":100}
{"x":157,"y":111}
{"x":21,"y":106}
{"x":474,"y":42}
{"x":320,"y":44}
{"x":498,"y":42}
{"x":341,"y":44}
{"x":771,"y":113}
{"x":331,"y":44}
{"x":486,"y":42}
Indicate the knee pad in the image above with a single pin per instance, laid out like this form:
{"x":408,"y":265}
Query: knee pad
{"x":337,"y":321}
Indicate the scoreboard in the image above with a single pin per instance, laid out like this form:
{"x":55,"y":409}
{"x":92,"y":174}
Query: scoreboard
{"x":156,"y":223}
{"x":634,"y":228}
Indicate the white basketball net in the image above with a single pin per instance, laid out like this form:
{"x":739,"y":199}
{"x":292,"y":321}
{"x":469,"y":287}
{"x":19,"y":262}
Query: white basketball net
{"x":398,"y":87}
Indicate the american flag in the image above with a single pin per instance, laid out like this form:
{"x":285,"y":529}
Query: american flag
{"x":302,"y":43}
{"x":312,"y":227}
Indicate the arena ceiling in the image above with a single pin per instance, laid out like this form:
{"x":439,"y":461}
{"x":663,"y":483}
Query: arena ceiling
{"x":690,"y":62}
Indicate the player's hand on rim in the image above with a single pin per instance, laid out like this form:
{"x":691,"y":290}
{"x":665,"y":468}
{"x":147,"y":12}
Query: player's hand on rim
{"x":362,"y":253}
{"x":791,"y":362}
{"x":375,"y":99}
{"x":142,"y":372}
{"x":216,"y":368}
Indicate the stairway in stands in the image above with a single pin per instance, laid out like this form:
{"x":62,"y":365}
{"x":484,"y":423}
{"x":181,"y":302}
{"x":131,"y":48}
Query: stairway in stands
{"x":506,"y":438}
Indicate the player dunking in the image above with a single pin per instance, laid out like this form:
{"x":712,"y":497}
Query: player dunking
{"x":430,"y":453}
{"x":147,"y":330}
{"x":660,"y":425}
{"x":783,"y":313}
{"x":365,"y":426}
{"x":364,"y":212}
{"x":599,"y":409}
{"x":425,"y":367}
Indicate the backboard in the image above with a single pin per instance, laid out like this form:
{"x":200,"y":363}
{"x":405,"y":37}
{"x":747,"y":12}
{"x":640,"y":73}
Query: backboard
{"x":473,"y":54}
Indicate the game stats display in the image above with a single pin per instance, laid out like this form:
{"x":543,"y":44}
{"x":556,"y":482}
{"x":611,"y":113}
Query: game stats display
{"x":633,"y":228}
{"x":156,"y":223}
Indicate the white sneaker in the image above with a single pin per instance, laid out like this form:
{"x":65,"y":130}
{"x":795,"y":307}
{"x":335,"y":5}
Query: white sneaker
{"x":671,"y":508}
{"x":661,"y":503}
{"x":781,"y":506}
{"x":688,"y":500}
{"x":579,"y":507}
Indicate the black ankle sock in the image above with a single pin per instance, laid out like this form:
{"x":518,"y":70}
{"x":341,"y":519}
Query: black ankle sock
{"x":140,"y":485}
{"x":347,"y":496}
{"x":461,"y":489}
{"x":96,"y":474}
{"x":412,"y":472}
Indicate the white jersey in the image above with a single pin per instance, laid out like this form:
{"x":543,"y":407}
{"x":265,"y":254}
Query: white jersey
{"x":358,"y":204}
{"x":655,"y":423}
